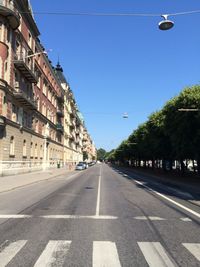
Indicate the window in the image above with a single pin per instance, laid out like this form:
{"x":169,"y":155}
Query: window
{"x":24,"y":149}
{"x":31,"y":149}
{"x":1,"y":31}
{"x":6,"y":66}
{"x":36,"y":151}
{"x":12,"y":146}
{"x":8,"y":35}
{"x":36,"y":126}
{"x":41,"y":151}
{"x":30,"y":39}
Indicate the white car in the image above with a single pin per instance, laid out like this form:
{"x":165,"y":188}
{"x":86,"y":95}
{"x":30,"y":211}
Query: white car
{"x":80,"y":167}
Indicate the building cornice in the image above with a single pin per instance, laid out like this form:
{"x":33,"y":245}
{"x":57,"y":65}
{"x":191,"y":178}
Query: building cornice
{"x":25,"y":12}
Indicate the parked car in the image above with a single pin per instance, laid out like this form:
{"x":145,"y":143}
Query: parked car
{"x":80,"y":167}
{"x":84,"y":163}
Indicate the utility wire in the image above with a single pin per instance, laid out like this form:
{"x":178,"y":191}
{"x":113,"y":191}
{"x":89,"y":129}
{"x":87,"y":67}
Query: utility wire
{"x":110,"y":14}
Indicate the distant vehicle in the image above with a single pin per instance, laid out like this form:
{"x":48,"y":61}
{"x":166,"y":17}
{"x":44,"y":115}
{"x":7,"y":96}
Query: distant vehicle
{"x":80,"y":167}
{"x":85,"y":164}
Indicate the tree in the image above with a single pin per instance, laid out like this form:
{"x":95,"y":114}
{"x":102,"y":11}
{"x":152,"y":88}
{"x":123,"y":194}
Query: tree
{"x":85,"y":155}
{"x":101,"y":153}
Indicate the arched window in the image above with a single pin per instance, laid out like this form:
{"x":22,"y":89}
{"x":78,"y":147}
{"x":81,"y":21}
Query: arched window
{"x":24,"y":149}
{"x":12,"y":146}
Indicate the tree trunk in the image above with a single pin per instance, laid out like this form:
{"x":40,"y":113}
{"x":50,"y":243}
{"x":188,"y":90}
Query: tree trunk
{"x":182,"y":167}
{"x":153,"y":164}
{"x":198,"y":166}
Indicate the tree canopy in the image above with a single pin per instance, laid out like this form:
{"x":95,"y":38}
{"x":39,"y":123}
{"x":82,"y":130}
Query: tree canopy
{"x":172,"y":133}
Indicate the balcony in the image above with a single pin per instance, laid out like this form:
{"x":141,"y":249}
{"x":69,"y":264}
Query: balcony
{"x":72,"y":127}
{"x":73,"y":114}
{"x":59,"y":127}
{"x":25,"y":100}
{"x":60,"y":113}
{"x":72,"y":137}
{"x":8,"y":10}
{"x":60,"y":98}
{"x":25,"y":65}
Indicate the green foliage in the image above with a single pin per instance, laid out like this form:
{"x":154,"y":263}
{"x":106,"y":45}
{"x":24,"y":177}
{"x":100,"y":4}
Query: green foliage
{"x":85,"y":155}
{"x":101,"y":153}
{"x":168,"y":134}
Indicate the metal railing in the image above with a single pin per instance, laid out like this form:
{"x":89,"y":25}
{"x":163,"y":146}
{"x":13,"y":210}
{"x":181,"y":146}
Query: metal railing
{"x":22,"y":57}
{"x":22,"y":94}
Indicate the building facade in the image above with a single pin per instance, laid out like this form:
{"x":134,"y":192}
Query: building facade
{"x":39,"y":123}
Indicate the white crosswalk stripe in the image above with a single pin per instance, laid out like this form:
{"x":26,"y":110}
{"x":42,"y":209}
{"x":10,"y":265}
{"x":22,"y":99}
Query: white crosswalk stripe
{"x":155,"y":254}
{"x":105,"y":254}
{"x":55,"y":252}
{"x":194,"y":249}
{"x":9,"y":252}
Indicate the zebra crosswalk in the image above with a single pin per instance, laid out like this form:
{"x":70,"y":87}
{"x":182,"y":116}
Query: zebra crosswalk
{"x":105,"y":253}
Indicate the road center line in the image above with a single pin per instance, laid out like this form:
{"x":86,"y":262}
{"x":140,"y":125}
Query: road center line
{"x":98,"y":195}
{"x":169,"y":199}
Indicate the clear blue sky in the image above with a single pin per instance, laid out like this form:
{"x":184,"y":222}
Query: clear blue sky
{"x":121,"y":64}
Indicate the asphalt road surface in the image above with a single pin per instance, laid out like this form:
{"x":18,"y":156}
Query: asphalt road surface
{"x":100,"y":217}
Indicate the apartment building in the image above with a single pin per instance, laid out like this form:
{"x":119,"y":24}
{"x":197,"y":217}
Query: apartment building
{"x":89,"y":148}
{"x":40,"y":126}
{"x":73,"y":124}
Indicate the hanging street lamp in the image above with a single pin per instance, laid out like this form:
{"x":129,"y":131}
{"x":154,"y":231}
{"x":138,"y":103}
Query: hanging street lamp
{"x":165,"y":24}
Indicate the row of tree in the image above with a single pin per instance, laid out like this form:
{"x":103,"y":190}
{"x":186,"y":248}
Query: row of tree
{"x":170,"y":135}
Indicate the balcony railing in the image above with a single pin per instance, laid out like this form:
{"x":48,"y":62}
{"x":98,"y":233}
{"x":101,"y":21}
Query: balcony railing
{"x":60,"y":113}
{"x":25,"y":65}
{"x":25,"y":100}
{"x":61,"y":98}
{"x":7,"y":9}
{"x":60,"y":127}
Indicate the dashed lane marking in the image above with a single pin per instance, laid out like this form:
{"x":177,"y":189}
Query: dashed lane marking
{"x":186,"y":219}
{"x":94,"y":217}
{"x":151,"y":218}
{"x":91,"y":217}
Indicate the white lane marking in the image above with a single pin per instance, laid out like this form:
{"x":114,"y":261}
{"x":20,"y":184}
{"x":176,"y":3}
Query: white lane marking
{"x":140,"y":218}
{"x":9,"y":252}
{"x":155,"y":254}
{"x":151,"y":218}
{"x":14,"y":216}
{"x":98,"y":195}
{"x":186,"y":219}
{"x":95,"y":217}
{"x":169,"y":199}
{"x":105,"y":254}
{"x":194,"y":248}
{"x":53,"y":254}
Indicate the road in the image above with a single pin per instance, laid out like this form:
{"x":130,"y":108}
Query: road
{"x":100,"y":217}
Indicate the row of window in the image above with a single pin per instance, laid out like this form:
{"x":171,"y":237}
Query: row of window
{"x":34,"y":152}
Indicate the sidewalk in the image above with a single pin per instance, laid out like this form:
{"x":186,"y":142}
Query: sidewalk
{"x":8,"y":183}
